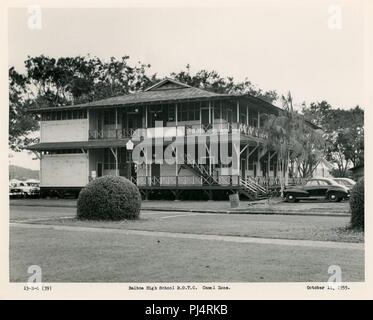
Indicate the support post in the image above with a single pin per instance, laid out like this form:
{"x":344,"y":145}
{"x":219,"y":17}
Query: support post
{"x":210,"y":112}
{"x":258,"y":167}
{"x":176,"y":119}
{"x":247,"y":115}
{"x":238,"y":112}
{"x":116,"y":162}
{"x":88,"y":125}
{"x":258,"y":119}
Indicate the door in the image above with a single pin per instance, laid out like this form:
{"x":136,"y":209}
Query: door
{"x":100,"y":125}
{"x":205,"y":118}
{"x":312,"y":187}
{"x":156,"y":172}
{"x":243,"y":168}
{"x":99,"y":169}
{"x":323,"y":188}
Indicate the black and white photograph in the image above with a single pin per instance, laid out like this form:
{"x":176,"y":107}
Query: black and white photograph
{"x":185,"y":147}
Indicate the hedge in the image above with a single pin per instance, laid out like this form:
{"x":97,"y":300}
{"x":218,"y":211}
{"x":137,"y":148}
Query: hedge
{"x":357,"y":205}
{"x":109,"y":198}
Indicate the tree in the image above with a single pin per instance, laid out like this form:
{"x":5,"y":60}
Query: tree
{"x":53,"y":82}
{"x":50,"y":82}
{"x":344,"y":132}
{"x":294,"y":141}
{"x":212,"y":81}
{"x":21,"y":123}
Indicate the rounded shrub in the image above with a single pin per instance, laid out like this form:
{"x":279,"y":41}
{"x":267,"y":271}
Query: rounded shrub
{"x":357,"y":205}
{"x":109,"y":198}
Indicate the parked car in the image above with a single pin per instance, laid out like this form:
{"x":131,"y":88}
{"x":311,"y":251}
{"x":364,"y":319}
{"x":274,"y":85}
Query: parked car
{"x":317,"y":188}
{"x":349,"y":183}
{"x":15,"y":192}
{"x":28,"y":188}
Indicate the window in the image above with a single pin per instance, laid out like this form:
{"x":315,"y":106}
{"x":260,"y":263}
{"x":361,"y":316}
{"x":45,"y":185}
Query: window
{"x":312,"y":183}
{"x":323,"y":183}
{"x":63,"y":151}
{"x":216,"y":111}
{"x":188,"y":112}
{"x":242,"y":118}
{"x":170,"y":112}
{"x":251,"y":165}
{"x":253,"y":118}
{"x":64,"y":115}
{"x":227,"y":114}
{"x":109,"y":159}
{"x":109,"y":117}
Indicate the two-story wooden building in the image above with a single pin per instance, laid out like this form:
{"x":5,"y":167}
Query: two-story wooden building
{"x":81,"y":142}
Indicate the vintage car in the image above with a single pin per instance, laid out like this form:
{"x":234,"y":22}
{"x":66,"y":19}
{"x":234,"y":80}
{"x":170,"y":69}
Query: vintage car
{"x":28,"y":188}
{"x":317,"y":188}
{"x":15,"y":192}
{"x":349,"y":183}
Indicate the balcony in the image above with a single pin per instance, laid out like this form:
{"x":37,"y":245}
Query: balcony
{"x":180,"y":131}
{"x":111,"y":134}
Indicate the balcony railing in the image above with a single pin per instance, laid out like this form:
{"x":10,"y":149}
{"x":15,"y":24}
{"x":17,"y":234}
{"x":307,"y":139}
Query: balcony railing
{"x":111,"y":134}
{"x":164,"y":181}
{"x":185,"y":130}
{"x":223,"y":181}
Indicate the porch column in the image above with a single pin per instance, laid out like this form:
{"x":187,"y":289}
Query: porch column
{"x":238,"y":112}
{"x":176,"y":119}
{"x":258,"y":119}
{"x":258,"y":167}
{"x":247,"y":115}
{"x":210,"y":111}
{"x":88,"y":126}
{"x":247,"y":159}
{"x":116,"y":123}
{"x":268,"y":163}
{"x":146,"y":116}
{"x":88,"y":172}
{"x":116,"y":162}
{"x":221,"y":111}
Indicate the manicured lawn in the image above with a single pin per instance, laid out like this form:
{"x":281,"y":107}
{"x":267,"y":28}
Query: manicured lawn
{"x":276,"y":205}
{"x":78,"y":256}
{"x":265,"y":226}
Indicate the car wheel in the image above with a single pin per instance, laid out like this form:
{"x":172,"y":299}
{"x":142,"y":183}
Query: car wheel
{"x":333,"y":197}
{"x":291,"y":198}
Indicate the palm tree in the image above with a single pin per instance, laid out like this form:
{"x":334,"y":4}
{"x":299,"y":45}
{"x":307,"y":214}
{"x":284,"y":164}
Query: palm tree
{"x":291,"y":138}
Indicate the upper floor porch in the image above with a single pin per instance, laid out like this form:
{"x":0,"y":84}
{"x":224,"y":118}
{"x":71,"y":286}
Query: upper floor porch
{"x":179,"y":109}
{"x":166,"y":120}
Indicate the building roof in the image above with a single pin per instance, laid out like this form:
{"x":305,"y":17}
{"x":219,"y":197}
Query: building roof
{"x":165,"y":91}
{"x":90,"y":144}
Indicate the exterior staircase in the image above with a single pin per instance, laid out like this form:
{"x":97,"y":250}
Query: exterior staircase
{"x":199,"y":169}
{"x":253,"y":190}
{"x":249,"y":187}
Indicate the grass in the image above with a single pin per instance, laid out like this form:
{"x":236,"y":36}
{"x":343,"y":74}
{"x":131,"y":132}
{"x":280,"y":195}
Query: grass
{"x":71,"y":256}
{"x":265,"y":226}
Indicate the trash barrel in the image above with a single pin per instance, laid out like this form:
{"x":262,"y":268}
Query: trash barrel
{"x":235,"y":200}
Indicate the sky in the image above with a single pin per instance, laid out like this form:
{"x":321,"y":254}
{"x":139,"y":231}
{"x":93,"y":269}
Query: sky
{"x":312,"y":48}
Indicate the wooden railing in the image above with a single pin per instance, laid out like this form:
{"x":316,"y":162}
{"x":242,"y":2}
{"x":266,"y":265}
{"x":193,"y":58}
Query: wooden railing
{"x":111,"y":134}
{"x":222,"y":180}
{"x":184,"y":130}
